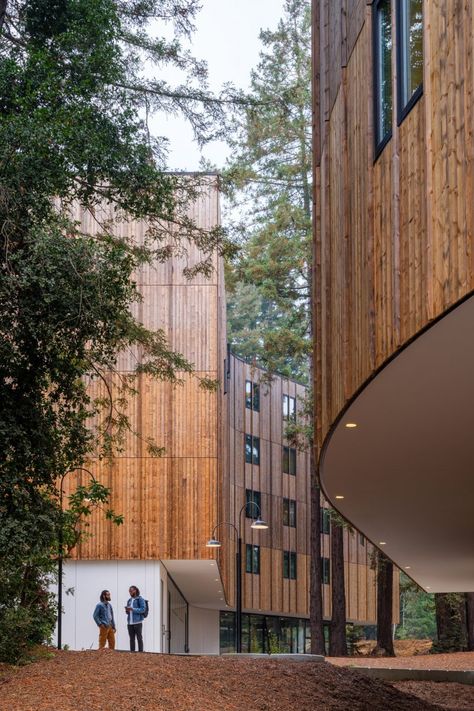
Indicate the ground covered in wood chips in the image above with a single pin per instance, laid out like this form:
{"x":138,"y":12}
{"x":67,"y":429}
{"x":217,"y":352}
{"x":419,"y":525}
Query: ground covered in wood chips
{"x":107,"y":680}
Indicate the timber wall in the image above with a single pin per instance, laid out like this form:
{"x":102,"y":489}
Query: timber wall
{"x":169,"y":503}
{"x":270,"y":591}
{"x":393,"y":236}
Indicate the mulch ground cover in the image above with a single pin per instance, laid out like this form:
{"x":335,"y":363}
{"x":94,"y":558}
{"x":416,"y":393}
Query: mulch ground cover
{"x":115,"y":681}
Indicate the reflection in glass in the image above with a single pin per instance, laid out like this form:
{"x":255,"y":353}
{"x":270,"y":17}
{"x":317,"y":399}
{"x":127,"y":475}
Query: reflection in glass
{"x":411,"y":48}
{"x":383,"y":75}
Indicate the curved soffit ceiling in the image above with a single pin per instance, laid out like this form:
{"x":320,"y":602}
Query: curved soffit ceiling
{"x":406,"y":472}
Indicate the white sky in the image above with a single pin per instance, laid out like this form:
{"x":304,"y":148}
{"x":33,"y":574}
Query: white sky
{"x":227,"y":38}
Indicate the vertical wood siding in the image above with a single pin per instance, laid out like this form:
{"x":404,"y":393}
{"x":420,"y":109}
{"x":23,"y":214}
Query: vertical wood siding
{"x":171,"y":503}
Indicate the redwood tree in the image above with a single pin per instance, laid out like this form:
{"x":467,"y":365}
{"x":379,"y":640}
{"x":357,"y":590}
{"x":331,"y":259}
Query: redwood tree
{"x":337,"y":629}
{"x":384,"y":645}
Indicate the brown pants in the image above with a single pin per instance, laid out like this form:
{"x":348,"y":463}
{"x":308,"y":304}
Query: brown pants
{"x":106,"y":634}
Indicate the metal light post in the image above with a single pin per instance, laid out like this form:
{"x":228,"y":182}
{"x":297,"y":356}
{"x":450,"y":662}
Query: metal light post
{"x":60,"y":551}
{"x":258,"y":524}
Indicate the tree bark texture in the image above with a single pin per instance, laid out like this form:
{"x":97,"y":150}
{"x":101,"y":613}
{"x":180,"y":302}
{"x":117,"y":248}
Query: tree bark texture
{"x":384,"y":647}
{"x":470,"y":620}
{"x":3,"y":12}
{"x":337,"y":629}
{"x":316,"y":594}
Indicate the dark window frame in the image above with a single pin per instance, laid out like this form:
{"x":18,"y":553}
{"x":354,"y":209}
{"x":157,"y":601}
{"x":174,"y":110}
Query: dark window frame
{"x":292,"y":457}
{"x":254,"y":445}
{"x":252,"y":396}
{"x":290,"y":416}
{"x":379,"y":145}
{"x":325,"y":521}
{"x":289,"y":512}
{"x":403,"y":111}
{"x":252,"y":559}
{"x":251,"y":495}
{"x":290,"y":565}
{"x":325,"y":571}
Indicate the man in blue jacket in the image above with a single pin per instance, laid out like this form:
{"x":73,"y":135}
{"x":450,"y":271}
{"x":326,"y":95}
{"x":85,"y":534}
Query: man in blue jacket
{"x":104,"y":619}
{"x":135,"y":610}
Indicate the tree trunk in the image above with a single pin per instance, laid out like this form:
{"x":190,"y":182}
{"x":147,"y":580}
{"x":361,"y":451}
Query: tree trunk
{"x":384,"y":646}
{"x":337,"y":629}
{"x":316,"y":594}
{"x":3,"y":11}
{"x":470,"y":620}
{"x":450,"y":622}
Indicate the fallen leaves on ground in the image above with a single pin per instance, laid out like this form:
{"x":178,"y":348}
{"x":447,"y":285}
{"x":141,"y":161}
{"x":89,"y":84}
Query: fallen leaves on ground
{"x":107,"y":680}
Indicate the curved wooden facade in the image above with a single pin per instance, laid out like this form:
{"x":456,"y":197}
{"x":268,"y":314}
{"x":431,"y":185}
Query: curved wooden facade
{"x":393,"y":232}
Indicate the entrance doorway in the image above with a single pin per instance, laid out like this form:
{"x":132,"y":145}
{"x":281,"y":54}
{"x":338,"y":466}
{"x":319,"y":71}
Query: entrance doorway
{"x":178,"y":620}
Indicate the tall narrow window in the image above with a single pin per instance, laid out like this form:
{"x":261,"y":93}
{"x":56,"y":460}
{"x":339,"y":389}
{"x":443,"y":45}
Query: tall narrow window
{"x":252,"y":559}
{"x":289,"y":565}
{"x":252,"y":396}
{"x":326,"y":570}
{"x":289,"y":460}
{"x":253,"y":503}
{"x":409,"y":54}
{"x":252,"y":449}
{"x":288,"y":407}
{"x":383,"y":72}
{"x":289,"y":512}
{"x":325,"y":521}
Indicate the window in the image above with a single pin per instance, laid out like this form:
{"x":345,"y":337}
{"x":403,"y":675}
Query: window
{"x":382,"y":72}
{"x":325,"y":521}
{"x":409,"y":54}
{"x":253,"y":505}
{"x":326,"y":570}
{"x":289,"y":512}
{"x":252,"y":396}
{"x":289,"y":460}
{"x":361,"y":539}
{"x":289,"y":565}
{"x":252,"y":449}
{"x":252,"y":559}
{"x":289,"y":407}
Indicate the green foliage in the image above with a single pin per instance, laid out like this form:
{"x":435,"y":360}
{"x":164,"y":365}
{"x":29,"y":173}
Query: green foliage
{"x":269,"y":179}
{"x":74,"y":104}
{"x":450,"y":623}
{"x":273,"y":641}
{"x":354,"y":633}
{"x":417,"y":612}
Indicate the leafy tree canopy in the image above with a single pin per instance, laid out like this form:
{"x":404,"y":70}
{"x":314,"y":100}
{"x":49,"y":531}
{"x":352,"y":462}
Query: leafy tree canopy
{"x":74,"y":102}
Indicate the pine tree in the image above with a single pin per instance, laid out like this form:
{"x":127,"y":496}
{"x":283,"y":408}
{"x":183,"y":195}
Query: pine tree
{"x":269,"y":182}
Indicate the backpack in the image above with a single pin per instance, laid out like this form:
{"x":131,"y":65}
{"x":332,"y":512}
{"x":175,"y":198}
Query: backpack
{"x":147,"y":609}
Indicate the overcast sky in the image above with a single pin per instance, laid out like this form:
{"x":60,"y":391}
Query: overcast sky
{"x":227,"y":38}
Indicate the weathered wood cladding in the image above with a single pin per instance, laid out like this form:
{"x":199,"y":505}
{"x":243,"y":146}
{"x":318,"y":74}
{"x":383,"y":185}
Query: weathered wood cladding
{"x":170,"y":503}
{"x":393,"y":236}
{"x":270,"y":591}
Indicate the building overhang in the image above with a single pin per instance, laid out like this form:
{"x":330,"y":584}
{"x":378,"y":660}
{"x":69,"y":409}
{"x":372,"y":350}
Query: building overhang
{"x":199,"y":581}
{"x":406,"y":471}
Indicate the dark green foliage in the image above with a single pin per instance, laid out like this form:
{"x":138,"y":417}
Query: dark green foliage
{"x":71,"y":131}
{"x":450,"y":623}
{"x":269,"y":284}
{"x":417,"y":612}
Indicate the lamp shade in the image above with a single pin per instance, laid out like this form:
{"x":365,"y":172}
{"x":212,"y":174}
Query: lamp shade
{"x":259,"y":524}
{"x":213,"y":543}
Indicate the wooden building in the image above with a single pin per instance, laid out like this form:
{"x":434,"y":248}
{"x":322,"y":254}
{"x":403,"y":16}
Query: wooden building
{"x":394,"y":276}
{"x":223,"y":448}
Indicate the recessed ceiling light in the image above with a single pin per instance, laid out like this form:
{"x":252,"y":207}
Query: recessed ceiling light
{"x":339,"y":496}
{"x":428,"y":587}
{"x":351,"y":425}
{"x":382,"y":543}
{"x":407,"y":567}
